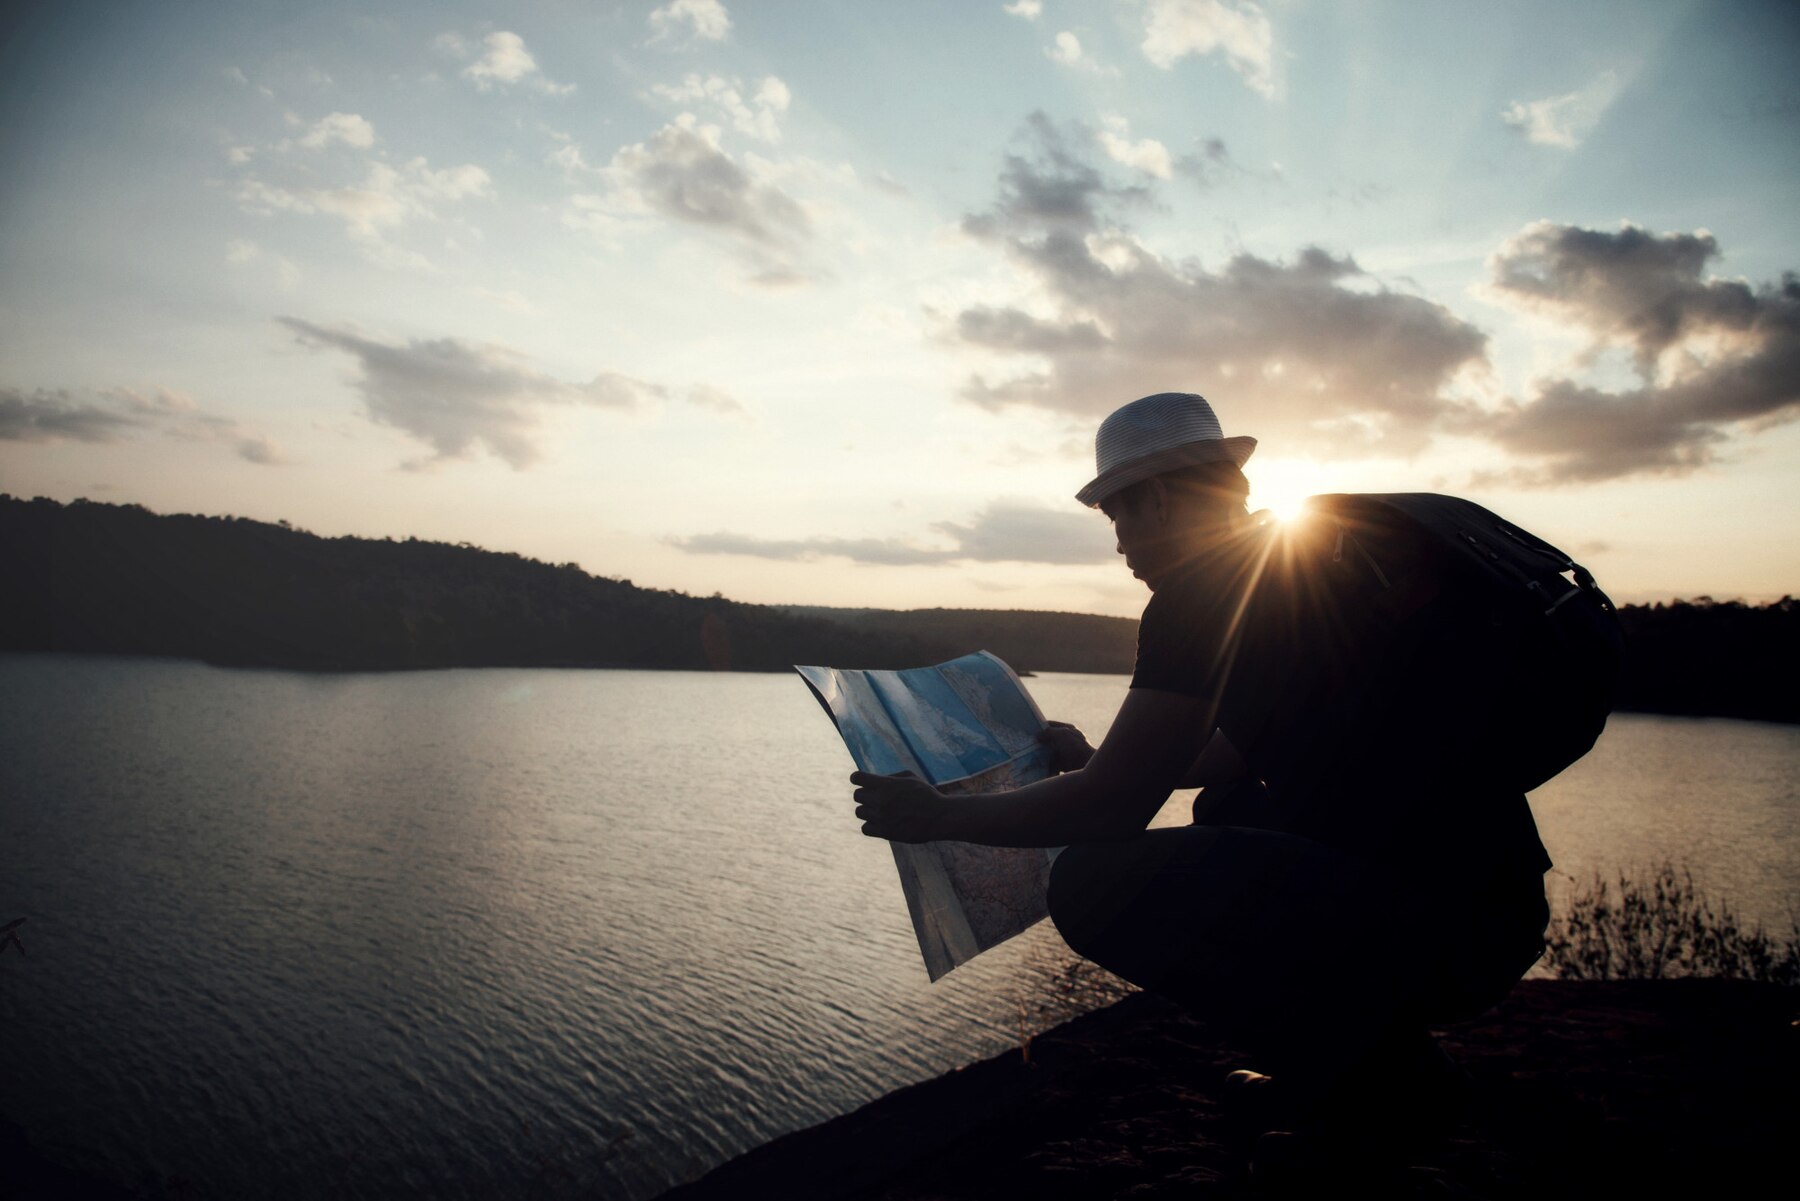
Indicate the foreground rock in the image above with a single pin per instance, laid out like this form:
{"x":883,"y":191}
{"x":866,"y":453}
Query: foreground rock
{"x":1619,"y":1088}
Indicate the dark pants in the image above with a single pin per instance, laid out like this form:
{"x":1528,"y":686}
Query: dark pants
{"x":1314,"y":958}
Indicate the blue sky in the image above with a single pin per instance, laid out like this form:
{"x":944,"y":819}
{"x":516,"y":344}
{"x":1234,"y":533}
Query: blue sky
{"x":822,"y":302}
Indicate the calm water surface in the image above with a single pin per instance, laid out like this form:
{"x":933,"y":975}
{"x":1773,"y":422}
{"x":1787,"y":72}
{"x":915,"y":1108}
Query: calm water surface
{"x":548,"y":934}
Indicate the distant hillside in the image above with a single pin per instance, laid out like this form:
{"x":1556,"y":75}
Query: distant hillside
{"x":120,"y":579}
{"x":1029,"y":640}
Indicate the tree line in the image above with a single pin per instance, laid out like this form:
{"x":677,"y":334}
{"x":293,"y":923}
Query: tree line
{"x":119,"y":579}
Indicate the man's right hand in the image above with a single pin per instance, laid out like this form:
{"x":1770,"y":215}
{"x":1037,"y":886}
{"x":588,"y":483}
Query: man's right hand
{"x":1069,"y":749}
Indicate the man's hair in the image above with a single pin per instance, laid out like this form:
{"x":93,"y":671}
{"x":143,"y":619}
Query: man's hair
{"x":1221,"y":483}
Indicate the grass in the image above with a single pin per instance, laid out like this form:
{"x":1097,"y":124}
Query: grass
{"x":1659,"y":925}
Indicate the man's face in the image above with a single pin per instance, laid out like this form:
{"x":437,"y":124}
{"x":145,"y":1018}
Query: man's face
{"x":1140,"y":523}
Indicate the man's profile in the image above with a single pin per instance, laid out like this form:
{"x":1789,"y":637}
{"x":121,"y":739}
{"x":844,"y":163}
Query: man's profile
{"x":1355,"y":873}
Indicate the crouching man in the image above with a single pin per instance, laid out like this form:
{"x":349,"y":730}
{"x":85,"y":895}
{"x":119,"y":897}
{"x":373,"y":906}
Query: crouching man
{"x":1352,"y":877}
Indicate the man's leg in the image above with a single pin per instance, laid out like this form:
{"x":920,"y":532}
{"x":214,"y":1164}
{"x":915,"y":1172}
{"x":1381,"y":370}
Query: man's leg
{"x":1320,"y":962}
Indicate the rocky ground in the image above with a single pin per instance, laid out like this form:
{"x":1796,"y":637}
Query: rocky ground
{"x":1606,"y":1089}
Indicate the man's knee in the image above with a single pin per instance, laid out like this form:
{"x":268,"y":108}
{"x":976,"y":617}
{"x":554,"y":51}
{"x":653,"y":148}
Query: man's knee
{"x":1076,"y":885}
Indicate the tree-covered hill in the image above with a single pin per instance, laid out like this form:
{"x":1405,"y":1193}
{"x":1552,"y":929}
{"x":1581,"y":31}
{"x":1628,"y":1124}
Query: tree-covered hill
{"x":120,"y":579}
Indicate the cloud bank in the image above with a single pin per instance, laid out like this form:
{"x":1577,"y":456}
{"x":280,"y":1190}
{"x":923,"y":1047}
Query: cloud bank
{"x":1313,"y":350}
{"x":1006,"y":531}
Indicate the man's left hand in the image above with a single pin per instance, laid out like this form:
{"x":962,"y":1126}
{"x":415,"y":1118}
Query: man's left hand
{"x":900,"y":808}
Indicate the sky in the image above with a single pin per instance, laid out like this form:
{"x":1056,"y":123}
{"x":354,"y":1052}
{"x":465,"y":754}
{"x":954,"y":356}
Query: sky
{"x":807,"y":302}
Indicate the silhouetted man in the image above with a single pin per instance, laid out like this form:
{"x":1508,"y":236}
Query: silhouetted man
{"x":1351,"y":877}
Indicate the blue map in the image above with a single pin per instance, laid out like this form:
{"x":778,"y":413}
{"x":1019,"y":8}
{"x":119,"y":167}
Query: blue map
{"x":966,"y":726}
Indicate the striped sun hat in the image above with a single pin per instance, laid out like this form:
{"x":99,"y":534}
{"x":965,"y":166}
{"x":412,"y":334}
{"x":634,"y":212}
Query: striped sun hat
{"x":1156,"y":434}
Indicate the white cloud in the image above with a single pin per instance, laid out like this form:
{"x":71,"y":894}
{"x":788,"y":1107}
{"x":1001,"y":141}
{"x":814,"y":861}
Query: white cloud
{"x":705,"y":20}
{"x":1066,"y":49}
{"x":385,"y":198}
{"x":1146,"y":154}
{"x":1030,"y":10}
{"x":242,"y":252}
{"x":1564,"y":121}
{"x":236,"y":75}
{"x":347,"y":128}
{"x":504,"y":63}
{"x":1174,"y":29}
{"x":756,"y":117}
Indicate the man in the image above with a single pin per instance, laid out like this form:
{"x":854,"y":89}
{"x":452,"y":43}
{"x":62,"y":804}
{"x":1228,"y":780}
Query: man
{"x":1352,"y":877}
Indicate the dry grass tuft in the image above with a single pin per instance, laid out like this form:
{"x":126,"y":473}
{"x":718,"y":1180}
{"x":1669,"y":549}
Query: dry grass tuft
{"x":1662,"y":925}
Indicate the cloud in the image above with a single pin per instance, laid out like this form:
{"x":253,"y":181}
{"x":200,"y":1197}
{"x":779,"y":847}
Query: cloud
{"x":56,"y":416}
{"x":1174,"y":29}
{"x":705,"y":396}
{"x":1563,"y":121}
{"x":1030,"y":10}
{"x":756,"y":117}
{"x":1714,"y":357}
{"x":385,"y":198}
{"x":120,"y":413}
{"x":455,"y":395}
{"x":1314,"y":350}
{"x":704,"y":20}
{"x":504,"y":63}
{"x":682,"y":174}
{"x":347,"y":128}
{"x":1065,"y":50}
{"x":1006,"y":531}
{"x":242,"y":252}
{"x":1050,"y":187}
{"x":178,"y":415}
{"x":1146,"y":154}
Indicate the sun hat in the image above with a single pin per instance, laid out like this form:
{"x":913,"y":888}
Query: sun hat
{"x":1156,"y":434}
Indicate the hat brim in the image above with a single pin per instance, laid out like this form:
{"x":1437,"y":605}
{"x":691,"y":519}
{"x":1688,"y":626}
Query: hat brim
{"x":1188,"y":454}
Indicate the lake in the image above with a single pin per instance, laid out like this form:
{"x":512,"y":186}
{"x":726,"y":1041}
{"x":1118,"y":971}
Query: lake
{"x":550,"y":933}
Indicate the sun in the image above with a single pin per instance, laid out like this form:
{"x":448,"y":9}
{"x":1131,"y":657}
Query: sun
{"x":1284,"y":503}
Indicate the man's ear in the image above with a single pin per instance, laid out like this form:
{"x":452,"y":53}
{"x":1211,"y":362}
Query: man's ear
{"x":1158,"y":501}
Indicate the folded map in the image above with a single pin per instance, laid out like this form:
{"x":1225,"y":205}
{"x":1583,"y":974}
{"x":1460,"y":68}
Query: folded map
{"x":966,"y":726}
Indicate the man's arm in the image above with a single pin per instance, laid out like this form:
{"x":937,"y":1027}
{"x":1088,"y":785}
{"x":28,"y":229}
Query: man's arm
{"x":1155,"y":739}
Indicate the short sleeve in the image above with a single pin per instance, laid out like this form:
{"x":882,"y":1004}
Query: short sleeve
{"x":1179,"y":639}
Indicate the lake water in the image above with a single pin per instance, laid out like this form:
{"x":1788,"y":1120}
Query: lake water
{"x":549,"y":934}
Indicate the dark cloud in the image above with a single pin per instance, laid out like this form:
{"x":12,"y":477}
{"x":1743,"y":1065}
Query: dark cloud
{"x":119,"y":413}
{"x":1006,"y":531}
{"x":1313,"y":351}
{"x":55,"y":416}
{"x":1714,"y":357}
{"x":1631,"y":285}
{"x":1050,"y":188}
{"x":454,"y":395}
{"x":683,"y":174}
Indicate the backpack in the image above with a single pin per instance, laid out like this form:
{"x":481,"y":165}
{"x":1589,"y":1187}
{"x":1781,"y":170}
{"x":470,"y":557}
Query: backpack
{"x":1512,"y":632}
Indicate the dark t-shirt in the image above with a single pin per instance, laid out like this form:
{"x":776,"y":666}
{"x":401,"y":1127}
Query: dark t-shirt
{"x":1345,"y":709}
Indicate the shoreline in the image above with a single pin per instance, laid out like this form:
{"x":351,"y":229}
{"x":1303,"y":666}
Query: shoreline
{"x":1597,"y":1088}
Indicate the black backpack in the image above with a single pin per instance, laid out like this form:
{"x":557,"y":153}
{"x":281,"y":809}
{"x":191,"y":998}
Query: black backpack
{"x":1514,"y":632}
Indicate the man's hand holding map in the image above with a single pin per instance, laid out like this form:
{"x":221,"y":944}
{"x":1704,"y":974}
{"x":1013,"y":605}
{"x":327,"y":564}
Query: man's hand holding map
{"x":964,"y":726}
